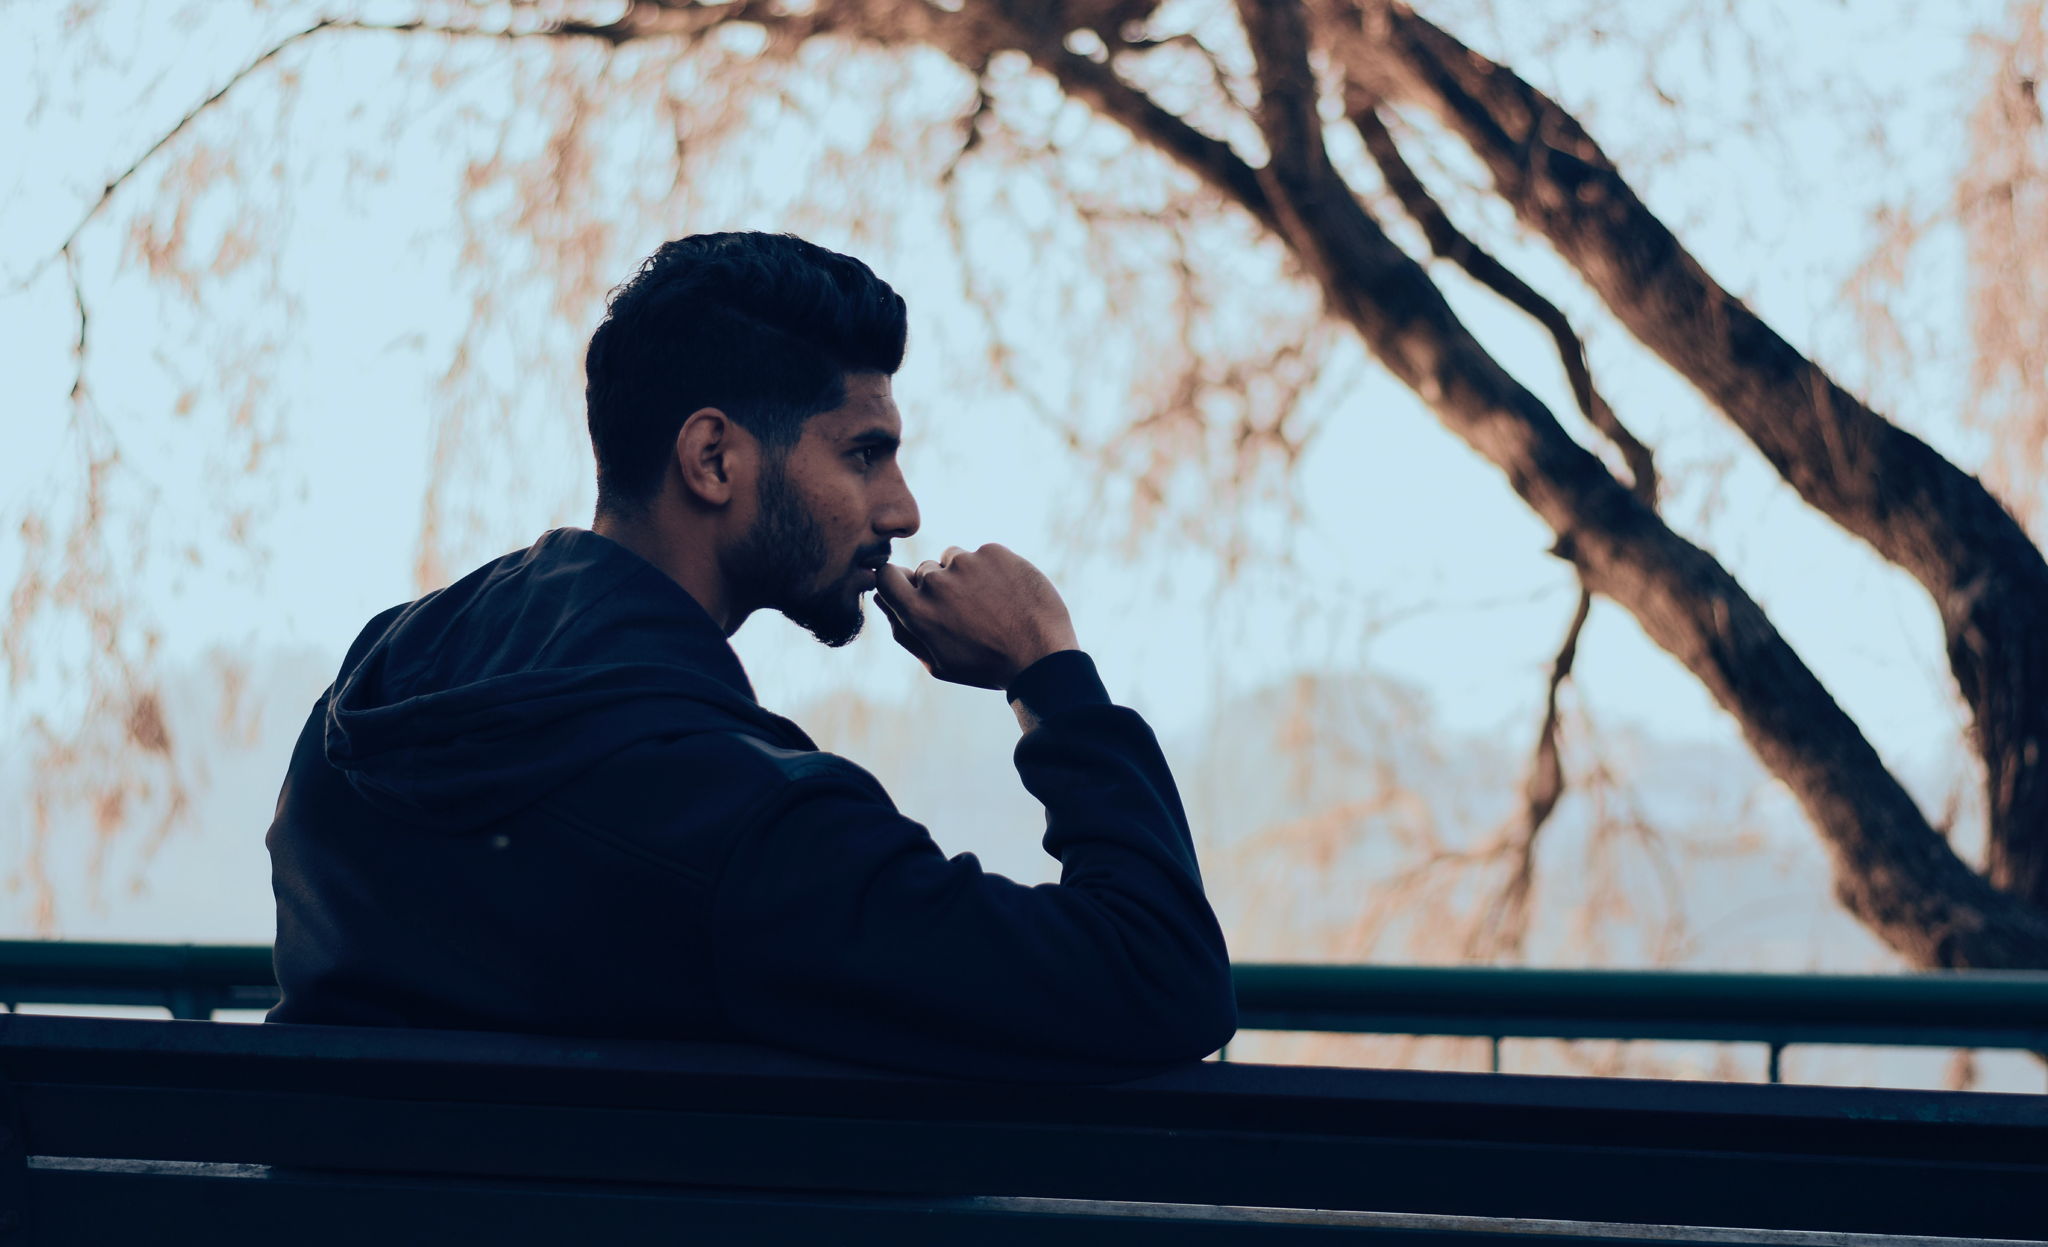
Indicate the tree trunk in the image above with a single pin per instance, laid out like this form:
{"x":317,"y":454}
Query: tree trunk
{"x":1892,"y":870}
{"x":1879,"y":482}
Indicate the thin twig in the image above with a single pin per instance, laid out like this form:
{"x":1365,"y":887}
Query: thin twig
{"x":77,"y":394}
{"x":115,"y":183}
{"x":970,"y":126}
{"x":741,"y":9}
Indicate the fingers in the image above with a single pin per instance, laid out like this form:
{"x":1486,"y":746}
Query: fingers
{"x":943,"y":563}
{"x":917,"y":576}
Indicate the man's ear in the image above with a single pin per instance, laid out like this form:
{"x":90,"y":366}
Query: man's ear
{"x":713,"y":453}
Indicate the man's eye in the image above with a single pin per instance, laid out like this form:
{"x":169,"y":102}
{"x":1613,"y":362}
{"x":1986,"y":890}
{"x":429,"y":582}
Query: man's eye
{"x":867,"y":455}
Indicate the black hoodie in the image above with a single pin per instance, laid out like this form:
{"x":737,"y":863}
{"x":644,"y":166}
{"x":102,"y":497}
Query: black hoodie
{"x":544,"y":799}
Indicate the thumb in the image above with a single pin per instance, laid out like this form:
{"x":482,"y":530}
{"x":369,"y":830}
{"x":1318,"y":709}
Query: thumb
{"x":893,"y":585}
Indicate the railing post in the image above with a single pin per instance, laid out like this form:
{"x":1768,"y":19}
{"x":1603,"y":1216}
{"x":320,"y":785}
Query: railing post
{"x":1494,"y":1066}
{"x":1775,"y":1071}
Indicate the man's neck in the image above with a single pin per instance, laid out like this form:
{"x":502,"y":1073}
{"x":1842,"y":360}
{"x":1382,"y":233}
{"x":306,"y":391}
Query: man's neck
{"x":693,"y":565}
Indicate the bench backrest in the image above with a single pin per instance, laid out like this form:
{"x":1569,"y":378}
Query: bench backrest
{"x":117,"y":1124}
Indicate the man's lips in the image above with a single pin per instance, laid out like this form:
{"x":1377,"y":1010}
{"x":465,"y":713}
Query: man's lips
{"x":868,"y":576}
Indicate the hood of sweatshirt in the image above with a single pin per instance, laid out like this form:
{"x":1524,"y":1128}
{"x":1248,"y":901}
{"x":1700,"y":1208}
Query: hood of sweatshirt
{"x":478,"y":699}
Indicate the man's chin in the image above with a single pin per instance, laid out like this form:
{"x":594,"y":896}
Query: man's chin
{"x":834,"y":623}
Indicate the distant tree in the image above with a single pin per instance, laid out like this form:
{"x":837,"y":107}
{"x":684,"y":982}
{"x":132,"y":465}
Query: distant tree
{"x":1246,"y":110}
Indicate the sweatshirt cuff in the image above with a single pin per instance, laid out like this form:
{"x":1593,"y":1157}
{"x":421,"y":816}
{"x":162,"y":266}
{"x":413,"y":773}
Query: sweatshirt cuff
{"x":1055,"y":682}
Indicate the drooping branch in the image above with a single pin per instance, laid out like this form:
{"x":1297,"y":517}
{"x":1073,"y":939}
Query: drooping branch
{"x":115,"y":183}
{"x":740,"y":9}
{"x":78,"y":345}
{"x":1446,"y":240}
{"x":1505,"y":923}
{"x":1546,"y":782}
{"x":687,"y":21}
{"x":975,"y":33}
{"x":1892,"y":870}
{"x":1915,"y":508}
{"x":971,"y":35}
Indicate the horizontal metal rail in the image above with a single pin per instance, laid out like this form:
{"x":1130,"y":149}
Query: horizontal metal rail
{"x":1943,"y":1009}
{"x":191,"y":980}
{"x":1948,"y":1009}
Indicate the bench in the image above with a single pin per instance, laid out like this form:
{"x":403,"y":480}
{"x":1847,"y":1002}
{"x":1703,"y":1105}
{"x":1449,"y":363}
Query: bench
{"x":129,"y":1130}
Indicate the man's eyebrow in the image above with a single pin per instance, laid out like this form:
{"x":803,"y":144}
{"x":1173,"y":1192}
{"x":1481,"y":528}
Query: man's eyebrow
{"x":875,"y":437}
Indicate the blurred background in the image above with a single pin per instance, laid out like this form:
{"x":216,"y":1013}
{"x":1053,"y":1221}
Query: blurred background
{"x":293,"y":300}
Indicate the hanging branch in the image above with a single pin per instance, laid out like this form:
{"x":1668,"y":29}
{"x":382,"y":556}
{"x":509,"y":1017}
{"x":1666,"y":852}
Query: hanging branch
{"x":1546,"y":781}
{"x":1447,"y":241}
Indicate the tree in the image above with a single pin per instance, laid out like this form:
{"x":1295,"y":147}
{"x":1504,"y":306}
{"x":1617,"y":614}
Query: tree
{"x":1252,"y":138}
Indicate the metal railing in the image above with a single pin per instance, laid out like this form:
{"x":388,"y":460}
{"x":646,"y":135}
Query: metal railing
{"x":1941,"y":1009}
{"x":1947,"y":1009}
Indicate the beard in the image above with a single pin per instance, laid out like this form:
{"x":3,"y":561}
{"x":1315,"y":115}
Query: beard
{"x":781,"y":557}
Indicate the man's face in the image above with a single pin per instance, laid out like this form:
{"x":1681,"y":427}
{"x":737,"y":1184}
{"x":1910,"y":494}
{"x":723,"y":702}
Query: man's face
{"x":834,"y":502}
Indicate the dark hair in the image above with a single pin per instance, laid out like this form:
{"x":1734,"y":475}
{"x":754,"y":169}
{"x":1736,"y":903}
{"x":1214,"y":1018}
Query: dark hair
{"x":763,"y":327}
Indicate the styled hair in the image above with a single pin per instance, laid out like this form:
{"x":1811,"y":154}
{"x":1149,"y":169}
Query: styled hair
{"x":763,"y":327}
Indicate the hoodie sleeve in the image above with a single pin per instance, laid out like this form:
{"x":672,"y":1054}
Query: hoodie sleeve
{"x":840,"y":927}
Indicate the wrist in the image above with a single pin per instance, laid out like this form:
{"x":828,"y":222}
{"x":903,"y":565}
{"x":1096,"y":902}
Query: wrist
{"x":1044,"y":646}
{"x":1058,"y":681}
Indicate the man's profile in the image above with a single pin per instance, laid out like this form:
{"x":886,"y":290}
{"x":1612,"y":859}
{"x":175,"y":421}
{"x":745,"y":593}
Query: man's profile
{"x":545,"y":799}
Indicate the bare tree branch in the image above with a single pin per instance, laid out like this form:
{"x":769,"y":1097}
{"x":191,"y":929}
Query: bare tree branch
{"x":686,"y":20}
{"x":970,"y":128}
{"x":269,"y":54}
{"x":977,"y":32}
{"x":1879,"y":482}
{"x":1446,"y":240}
{"x":113,"y":184}
{"x":1546,"y":782}
{"x":77,"y":394}
{"x":1892,"y":870}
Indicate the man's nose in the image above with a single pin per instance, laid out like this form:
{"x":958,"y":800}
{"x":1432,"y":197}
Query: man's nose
{"x":900,"y":517}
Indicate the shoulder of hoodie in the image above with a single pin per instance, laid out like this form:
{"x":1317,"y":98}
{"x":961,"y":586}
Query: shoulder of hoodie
{"x":775,"y":766}
{"x":667,"y":793}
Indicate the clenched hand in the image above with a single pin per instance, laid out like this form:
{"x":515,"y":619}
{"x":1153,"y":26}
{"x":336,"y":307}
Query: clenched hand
{"x":975,"y":618}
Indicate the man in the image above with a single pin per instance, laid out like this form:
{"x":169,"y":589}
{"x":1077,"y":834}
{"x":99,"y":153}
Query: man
{"x":545,"y":799}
